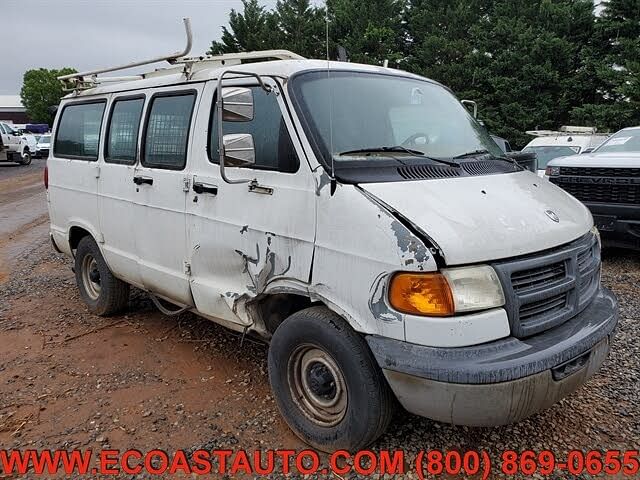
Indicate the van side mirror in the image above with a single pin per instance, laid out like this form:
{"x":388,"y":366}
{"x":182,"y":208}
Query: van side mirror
{"x":239,"y":150}
{"x":237,"y":104}
{"x":472,"y":104}
{"x":588,"y":150}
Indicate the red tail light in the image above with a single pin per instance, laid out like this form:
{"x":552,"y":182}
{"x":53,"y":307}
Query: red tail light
{"x":46,"y":177}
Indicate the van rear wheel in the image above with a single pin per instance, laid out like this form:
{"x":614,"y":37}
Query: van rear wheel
{"x":326,"y":382}
{"x":103,"y":293}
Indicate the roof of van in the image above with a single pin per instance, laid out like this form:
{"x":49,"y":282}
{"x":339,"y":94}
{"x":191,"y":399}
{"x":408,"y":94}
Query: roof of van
{"x":568,"y":141}
{"x":278,"y":68}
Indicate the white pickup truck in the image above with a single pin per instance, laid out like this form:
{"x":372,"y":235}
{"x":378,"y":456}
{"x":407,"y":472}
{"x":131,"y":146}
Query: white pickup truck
{"x":20,"y":146}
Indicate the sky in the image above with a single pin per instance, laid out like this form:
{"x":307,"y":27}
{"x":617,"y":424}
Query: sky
{"x":88,"y":34}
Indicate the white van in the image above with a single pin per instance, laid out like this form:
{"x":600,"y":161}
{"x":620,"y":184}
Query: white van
{"x":549,"y":145}
{"x":358,"y":218}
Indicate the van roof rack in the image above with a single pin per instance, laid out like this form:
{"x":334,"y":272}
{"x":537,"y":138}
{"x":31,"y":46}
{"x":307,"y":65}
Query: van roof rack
{"x":564,"y":130}
{"x":182,"y":63}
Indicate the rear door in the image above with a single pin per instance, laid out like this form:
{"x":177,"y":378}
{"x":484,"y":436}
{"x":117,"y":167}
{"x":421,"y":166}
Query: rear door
{"x":160,"y":193}
{"x":73,"y":167}
{"x":116,"y":190}
{"x":245,"y":238}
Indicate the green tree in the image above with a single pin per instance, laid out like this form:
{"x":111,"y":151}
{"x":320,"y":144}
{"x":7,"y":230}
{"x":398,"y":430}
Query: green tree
{"x":518,"y":60}
{"x":371,"y":31}
{"x":294,"y":25}
{"x":614,"y":57}
{"x":300,"y":28}
{"x":252,"y":29}
{"x":42,"y":90}
{"x":438,"y":41}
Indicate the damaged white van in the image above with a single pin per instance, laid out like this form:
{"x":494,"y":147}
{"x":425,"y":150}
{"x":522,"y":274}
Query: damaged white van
{"x":356,"y":217}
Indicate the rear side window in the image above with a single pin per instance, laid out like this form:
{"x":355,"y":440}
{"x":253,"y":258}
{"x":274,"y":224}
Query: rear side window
{"x":122,"y":131}
{"x":78,"y":132}
{"x":167,"y":131}
{"x":271,"y":140}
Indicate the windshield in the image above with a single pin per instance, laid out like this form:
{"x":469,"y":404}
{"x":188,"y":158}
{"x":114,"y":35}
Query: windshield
{"x":546,"y":154}
{"x":623,"y":141}
{"x":45,"y":139}
{"x":350,"y":111}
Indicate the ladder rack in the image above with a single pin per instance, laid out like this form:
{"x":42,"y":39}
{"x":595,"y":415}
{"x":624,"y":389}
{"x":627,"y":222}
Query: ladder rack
{"x":179,"y":60}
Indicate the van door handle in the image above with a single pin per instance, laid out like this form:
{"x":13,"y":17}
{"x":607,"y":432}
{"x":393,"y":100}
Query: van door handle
{"x":141,"y":180}
{"x":255,"y":187}
{"x":200,"y":187}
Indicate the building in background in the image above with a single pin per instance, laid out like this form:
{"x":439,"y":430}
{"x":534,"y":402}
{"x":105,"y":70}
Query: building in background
{"x":12,"y":110}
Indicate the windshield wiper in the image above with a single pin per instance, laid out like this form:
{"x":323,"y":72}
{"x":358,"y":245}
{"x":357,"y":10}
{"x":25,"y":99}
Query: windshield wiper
{"x":473,"y":154}
{"x":399,"y":149}
{"x":505,"y":158}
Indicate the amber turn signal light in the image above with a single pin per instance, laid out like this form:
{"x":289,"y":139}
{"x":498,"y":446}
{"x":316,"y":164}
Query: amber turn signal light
{"x":421,"y":294}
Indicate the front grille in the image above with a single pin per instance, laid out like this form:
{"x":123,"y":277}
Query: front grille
{"x":601,"y":184}
{"x":534,"y":309}
{"x":528,"y":279}
{"x":599,"y":193}
{"x":599,"y":172}
{"x":547,"y":289}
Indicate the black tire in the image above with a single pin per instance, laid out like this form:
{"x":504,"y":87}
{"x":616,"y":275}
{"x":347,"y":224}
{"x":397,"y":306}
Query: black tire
{"x":103,"y":293}
{"x":26,"y":157}
{"x":370,"y":403}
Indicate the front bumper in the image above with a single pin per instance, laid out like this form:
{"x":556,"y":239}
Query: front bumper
{"x":619,"y":225}
{"x":499,"y":382}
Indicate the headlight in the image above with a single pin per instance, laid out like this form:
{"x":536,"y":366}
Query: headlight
{"x":552,"y":171}
{"x":596,"y":232}
{"x":442,"y":294}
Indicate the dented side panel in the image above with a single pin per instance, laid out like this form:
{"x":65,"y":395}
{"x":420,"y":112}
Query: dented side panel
{"x":242,"y":241}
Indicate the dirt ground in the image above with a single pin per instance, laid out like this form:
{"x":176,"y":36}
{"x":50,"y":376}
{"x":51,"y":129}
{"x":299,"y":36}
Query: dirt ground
{"x":69,"y":379}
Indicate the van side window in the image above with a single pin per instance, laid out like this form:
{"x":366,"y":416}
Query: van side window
{"x":167,"y":131}
{"x":78,"y":132}
{"x":122,"y":131}
{"x":274,"y":149}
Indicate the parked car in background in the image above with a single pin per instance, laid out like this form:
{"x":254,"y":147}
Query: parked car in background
{"x":21,"y":147}
{"x":568,"y":141}
{"x":607,"y":181}
{"x":43,"y":146}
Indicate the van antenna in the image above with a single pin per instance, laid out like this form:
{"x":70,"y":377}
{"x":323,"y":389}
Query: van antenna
{"x":326,"y":19}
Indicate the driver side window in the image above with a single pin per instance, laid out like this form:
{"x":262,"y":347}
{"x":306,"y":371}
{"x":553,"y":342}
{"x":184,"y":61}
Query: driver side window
{"x":273,"y":145}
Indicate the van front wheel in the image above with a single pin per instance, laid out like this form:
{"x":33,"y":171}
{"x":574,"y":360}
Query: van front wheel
{"x":103,"y":293}
{"x":326,"y":383}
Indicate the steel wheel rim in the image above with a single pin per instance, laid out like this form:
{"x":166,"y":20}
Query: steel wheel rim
{"x":317,"y":385}
{"x":91,"y":277}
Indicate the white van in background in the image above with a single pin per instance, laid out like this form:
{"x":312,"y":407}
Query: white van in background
{"x":568,"y":141}
{"x":376,"y":236}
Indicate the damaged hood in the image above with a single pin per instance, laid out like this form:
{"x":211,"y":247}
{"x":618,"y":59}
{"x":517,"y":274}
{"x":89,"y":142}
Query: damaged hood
{"x":479,"y":219}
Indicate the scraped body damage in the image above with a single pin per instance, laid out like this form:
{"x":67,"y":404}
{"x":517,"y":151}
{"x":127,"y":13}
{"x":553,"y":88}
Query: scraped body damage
{"x":357,"y":249}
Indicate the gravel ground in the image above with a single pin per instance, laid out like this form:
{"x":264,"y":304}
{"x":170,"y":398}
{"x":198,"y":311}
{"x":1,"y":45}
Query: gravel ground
{"x":72,"y":380}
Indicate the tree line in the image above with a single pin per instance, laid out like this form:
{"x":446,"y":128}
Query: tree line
{"x":535,"y":64}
